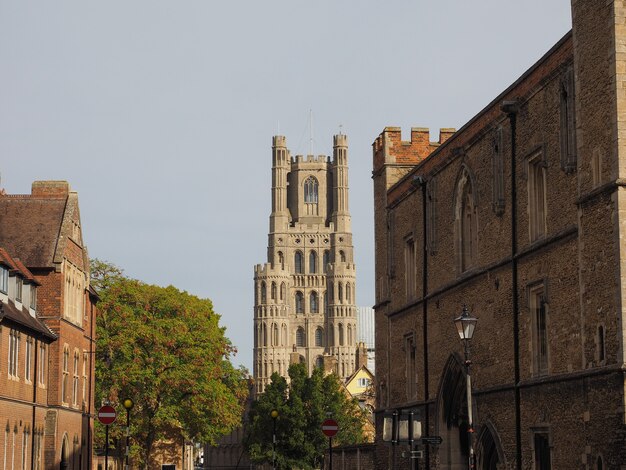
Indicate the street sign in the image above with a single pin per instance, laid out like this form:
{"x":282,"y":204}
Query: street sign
{"x":330,"y":427}
{"x":107,"y":414}
{"x":432,"y":440}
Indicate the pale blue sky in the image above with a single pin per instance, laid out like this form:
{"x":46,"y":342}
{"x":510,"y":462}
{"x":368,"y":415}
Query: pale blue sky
{"x":146,"y":106}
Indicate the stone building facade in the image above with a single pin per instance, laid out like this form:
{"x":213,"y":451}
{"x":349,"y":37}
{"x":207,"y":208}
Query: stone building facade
{"x":520,"y":216}
{"x":47,"y":332}
{"x":304,"y":308}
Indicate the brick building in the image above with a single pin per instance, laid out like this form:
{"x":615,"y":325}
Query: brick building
{"x":47,"y":331}
{"x":520,"y":216}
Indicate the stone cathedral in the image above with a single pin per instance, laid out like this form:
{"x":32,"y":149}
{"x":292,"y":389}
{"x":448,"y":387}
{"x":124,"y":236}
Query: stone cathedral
{"x":304,"y":303}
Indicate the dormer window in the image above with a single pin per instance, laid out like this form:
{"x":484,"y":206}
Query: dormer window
{"x":4,"y":280}
{"x":18,"y":288}
{"x":33,"y":297}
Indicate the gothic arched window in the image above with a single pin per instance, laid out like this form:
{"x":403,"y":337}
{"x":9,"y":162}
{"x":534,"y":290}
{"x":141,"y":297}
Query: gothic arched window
{"x":300,"y":339}
{"x":342,"y":256}
{"x":313,"y":303}
{"x":340,"y":327}
{"x":466,"y":224}
{"x":283,"y":291}
{"x":326,"y":260}
{"x":281,"y":260}
{"x":299,"y":302}
{"x":319,"y":337}
{"x":310,"y":190}
{"x":348,"y":292}
{"x":273,"y":291}
{"x":263,"y":293}
{"x":312,"y":262}
{"x":299,"y":264}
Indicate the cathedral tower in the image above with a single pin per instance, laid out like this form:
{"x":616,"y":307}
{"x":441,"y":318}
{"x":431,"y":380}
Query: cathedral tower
{"x":304,"y":303}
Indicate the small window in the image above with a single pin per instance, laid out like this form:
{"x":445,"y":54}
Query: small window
{"x":340,"y":292}
{"x":66,"y":360}
{"x":536,"y":198}
{"x":18,"y":288}
{"x":314,"y":304}
{"x":28,"y":359}
{"x":539,"y":320}
{"x":410,"y":268}
{"x":299,"y":302}
{"x":340,"y":328}
{"x":310,"y":190}
{"x":42,"y":365}
{"x":300,"y":339}
{"x":364,"y":382}
{"x":319,"y":337}
{"x":263,"y":292}
{"x":319,"y":362}
{"x":312,"y":262}
{"x":4,"y":280}
{"x":342,"y":256}
{"x":283,"y":290}
{"x":14,"y":353}
{"x":33,"y":297}
{"x":281,"y":260}
{"x":326,"y":260}
{"x":75,"y":379}
{"x":348,"y":293}
{"x":273,"y":291}
{"x":299,"y":265}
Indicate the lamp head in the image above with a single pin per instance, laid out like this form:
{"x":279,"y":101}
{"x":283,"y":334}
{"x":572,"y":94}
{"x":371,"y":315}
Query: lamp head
{"x":128,"y":404}
{"x":465,"y":325}
{"x":274,"y":414}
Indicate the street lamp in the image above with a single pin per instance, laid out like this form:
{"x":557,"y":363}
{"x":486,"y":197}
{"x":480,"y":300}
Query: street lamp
{"x":274,"y":415}
{"x":128,"y":404}
{"x":465,"y":325}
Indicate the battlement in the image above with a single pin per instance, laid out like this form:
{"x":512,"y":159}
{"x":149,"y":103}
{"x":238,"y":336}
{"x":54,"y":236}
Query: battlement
{"x":310,"y":159}
{"x":279,"y":141}
{"x":340,"y":140}
{"x":389,"y":148}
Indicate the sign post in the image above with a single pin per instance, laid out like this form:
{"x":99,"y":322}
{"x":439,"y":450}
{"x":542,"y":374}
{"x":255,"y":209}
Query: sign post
{"x":106,"y":415}
{"x":330,"y":428}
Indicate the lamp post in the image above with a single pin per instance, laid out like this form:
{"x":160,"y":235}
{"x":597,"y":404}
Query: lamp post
{"x":128,"y":404}
{"x":465,"y":325}
{"x":274,"y":415}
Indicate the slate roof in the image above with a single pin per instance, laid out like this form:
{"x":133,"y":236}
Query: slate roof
{"x":9,"y":311}
{"x":31,"y":227}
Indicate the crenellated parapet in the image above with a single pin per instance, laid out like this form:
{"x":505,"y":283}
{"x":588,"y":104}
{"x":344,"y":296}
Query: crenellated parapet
{"x":390,"y":149}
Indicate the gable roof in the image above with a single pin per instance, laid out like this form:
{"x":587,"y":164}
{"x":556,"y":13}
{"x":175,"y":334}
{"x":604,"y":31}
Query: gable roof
{"x":39,"y":225}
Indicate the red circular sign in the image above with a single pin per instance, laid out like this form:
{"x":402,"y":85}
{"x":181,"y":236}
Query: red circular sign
{"x":107,"y":414}
{"x":330,"y":427}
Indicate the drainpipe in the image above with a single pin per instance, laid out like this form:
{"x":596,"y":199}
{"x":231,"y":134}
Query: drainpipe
{"x":421,"y":182}
{"x":511,"y":108}
{"x":35,"y":378}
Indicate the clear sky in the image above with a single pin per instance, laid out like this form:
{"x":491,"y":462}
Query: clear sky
{"x":160,"y":114}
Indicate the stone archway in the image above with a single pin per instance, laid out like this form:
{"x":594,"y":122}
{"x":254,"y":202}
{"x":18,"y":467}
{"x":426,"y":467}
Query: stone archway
{"x":452,"y":417}
{"x":489,"y":449}
{"x":65,"y":457}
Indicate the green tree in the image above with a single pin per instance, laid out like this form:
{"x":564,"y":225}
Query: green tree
{"x":302,"y":407}
{"x":164,"y":349}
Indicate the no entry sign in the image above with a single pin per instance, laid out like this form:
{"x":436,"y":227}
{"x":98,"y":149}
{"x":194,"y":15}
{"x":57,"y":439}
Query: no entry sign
{"x":330,"y":427}
{"x":107,"y":414}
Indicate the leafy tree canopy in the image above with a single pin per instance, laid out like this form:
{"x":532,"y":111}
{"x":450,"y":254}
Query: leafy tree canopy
{"x":302,"y":407}
{"x":164,"y":349}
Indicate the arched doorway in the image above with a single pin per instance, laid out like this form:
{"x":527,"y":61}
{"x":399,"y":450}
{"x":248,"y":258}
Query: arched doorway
{"x":453,"y":417}
{"x":489,"y":449}
{"x":65,"y":458}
